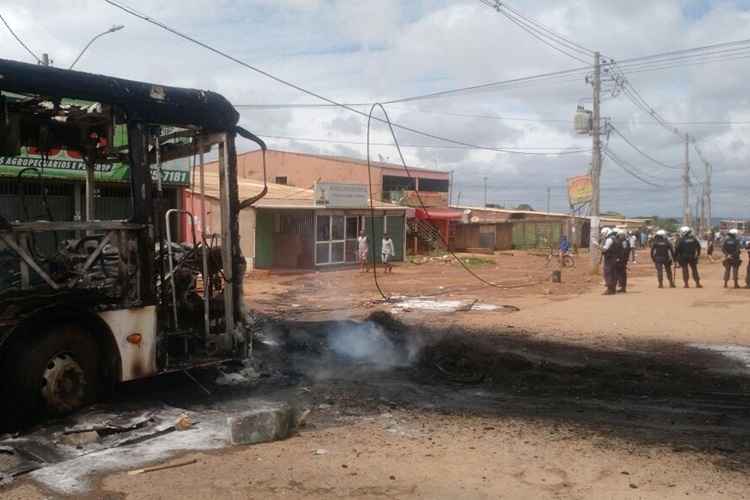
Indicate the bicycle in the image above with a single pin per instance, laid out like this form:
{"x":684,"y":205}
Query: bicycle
{"x":565,"y":260}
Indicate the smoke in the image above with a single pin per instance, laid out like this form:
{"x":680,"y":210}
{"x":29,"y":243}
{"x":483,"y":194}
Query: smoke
{"x":368,"y":343}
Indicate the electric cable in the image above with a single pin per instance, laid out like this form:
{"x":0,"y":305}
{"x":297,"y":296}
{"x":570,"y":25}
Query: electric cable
{"x":303,"y":90}
{"x":419,"y":199}
{"x":643,"y":153}
{"x":18,"y":39}
{"x":562,"y":39}
{"x":552,"y":150}
{"x":630,"y":169}
{"x":534,"y":33}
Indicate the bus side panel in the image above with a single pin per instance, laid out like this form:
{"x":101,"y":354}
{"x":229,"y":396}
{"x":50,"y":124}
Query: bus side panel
{"x":138,"y":359}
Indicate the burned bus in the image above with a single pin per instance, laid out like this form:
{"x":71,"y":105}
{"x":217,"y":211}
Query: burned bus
{"x":86,"y":303}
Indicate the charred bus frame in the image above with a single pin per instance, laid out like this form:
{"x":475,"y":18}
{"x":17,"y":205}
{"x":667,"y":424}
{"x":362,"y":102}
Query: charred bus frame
{"x":116,"y":300}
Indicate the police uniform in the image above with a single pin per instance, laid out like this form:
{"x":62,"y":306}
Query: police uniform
{"x":732,"y":250}
{"x":622,"y":263}
{"x":662,"y":254}
{"x":611,"y":251}
{"x":687,"y":253}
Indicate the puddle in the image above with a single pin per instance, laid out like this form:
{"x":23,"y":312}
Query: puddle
{"x":732,"y":351}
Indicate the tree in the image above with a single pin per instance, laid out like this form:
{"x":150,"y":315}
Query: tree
{"x":526,"y":207}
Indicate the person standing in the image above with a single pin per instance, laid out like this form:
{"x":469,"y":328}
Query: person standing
{"x":611,"y":248}
{"x":633,"y":243}
{"x":387,"y":252}
{"x":687,"y":253}
{"x":662,"y":254}
{"x":732,"y":250}
{"x":564,"y":248}
{"x":710,"y":243}
{"x":363,"y":250}
{"x":622,"y":260}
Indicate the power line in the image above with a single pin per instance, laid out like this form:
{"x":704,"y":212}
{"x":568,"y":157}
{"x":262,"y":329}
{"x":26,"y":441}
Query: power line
{"x":277,"y":106}
{"x":18,"y":39}
{"x":535,"y":33}
{"x":553,"y":150}
{"x":643,"y":153}
{"x":566,"y":41}
{"x":303,"y":90}
{"x":630,"y":169}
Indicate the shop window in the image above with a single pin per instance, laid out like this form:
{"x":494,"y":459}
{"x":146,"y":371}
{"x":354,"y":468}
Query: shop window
{"x":433,"y":185}
{"x":324,"y":228}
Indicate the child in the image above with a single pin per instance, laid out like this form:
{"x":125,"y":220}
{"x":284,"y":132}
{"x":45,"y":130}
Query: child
{"x":362,"y":250}
{"x":387,"y":252}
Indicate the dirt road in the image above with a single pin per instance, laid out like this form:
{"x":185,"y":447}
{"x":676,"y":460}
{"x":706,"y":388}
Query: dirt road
{"x":708,"y":315}
{"x":577,"y":395}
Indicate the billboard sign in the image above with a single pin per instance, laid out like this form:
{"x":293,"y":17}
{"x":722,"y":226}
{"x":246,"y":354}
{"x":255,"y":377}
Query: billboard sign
{"x":69,"y":165}
{"x":64,"y":164}
{"x":580,"y":190}
{"x":339,"y":195}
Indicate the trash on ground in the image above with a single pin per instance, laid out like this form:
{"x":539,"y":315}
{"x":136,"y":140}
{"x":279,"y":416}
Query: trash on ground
{"x":161,"y":467}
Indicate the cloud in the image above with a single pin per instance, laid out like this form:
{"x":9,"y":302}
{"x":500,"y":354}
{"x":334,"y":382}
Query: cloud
{"x":360,"y":51}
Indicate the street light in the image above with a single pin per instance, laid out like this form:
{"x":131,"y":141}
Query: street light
{"x":114,"y":28}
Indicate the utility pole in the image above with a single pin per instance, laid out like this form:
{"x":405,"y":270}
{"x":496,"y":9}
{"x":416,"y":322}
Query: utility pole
{"x":686,"y":185}
{"x":485,"y":192}
{"x":703,"y":225}
{"x":596,"y":165}
{"x":707,"y":187}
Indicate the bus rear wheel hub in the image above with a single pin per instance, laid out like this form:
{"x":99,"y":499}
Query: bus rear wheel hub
{"x":63,"y":384}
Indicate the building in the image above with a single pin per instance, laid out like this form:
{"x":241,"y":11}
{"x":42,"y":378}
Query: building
{"x":491,"y":229}
{"x":390,"y":182}
{"x":742,"y":226}
{"x":292,"y":228}
{"x":504,"y":229}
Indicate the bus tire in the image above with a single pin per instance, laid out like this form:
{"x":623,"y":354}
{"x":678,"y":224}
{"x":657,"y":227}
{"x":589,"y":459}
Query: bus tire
{"x":55,"y":372}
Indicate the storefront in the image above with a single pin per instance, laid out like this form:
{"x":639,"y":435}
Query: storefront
{"x":290,"y":229}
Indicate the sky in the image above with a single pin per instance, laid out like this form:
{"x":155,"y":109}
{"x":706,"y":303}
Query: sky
{"x":359,"y":51}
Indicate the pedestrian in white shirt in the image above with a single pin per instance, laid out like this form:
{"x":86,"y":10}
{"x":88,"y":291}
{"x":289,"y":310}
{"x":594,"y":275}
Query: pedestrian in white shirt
{"x":362,"y":251}
{"x":633,"y":240}
{"x":387,"y":252}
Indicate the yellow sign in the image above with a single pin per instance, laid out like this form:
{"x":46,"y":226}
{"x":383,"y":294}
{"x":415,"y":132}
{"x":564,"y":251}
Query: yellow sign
{"x":579,"y":189}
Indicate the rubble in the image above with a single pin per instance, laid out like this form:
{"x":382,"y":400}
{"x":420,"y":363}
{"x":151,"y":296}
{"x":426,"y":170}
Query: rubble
{"x":271,"y":422}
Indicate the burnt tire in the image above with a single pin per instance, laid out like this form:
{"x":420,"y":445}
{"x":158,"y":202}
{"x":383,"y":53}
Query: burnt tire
{"x":53,"y":373}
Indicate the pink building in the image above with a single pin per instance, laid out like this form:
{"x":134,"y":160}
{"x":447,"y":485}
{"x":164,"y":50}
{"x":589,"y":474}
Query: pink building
{"x":390,"y":182}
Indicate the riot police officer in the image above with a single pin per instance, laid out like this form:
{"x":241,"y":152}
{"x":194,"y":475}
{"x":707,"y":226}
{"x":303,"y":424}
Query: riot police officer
{"x":662,"y":254}
{"x":732,"y":250}
{"x":611,"y":250}
{"x":622,"y":260}
{"x":687,"y":254}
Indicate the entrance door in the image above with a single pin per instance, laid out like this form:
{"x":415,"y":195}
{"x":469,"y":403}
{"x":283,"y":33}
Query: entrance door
{"x":330,"y":239}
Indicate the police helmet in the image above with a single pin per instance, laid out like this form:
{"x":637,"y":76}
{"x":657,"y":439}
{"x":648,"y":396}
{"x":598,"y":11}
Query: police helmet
{"x":685,"y":230}
{"x":733,"y":233}
{"x":661,"y":233}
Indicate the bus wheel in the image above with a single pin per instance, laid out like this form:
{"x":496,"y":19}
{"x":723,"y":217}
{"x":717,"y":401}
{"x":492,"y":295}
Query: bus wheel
{"x":57,"y":372}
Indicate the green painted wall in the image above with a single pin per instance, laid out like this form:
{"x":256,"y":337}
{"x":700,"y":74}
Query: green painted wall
{"x":396,"y":232}
{"x":536,"y":234}
{"x":263,"y":239}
